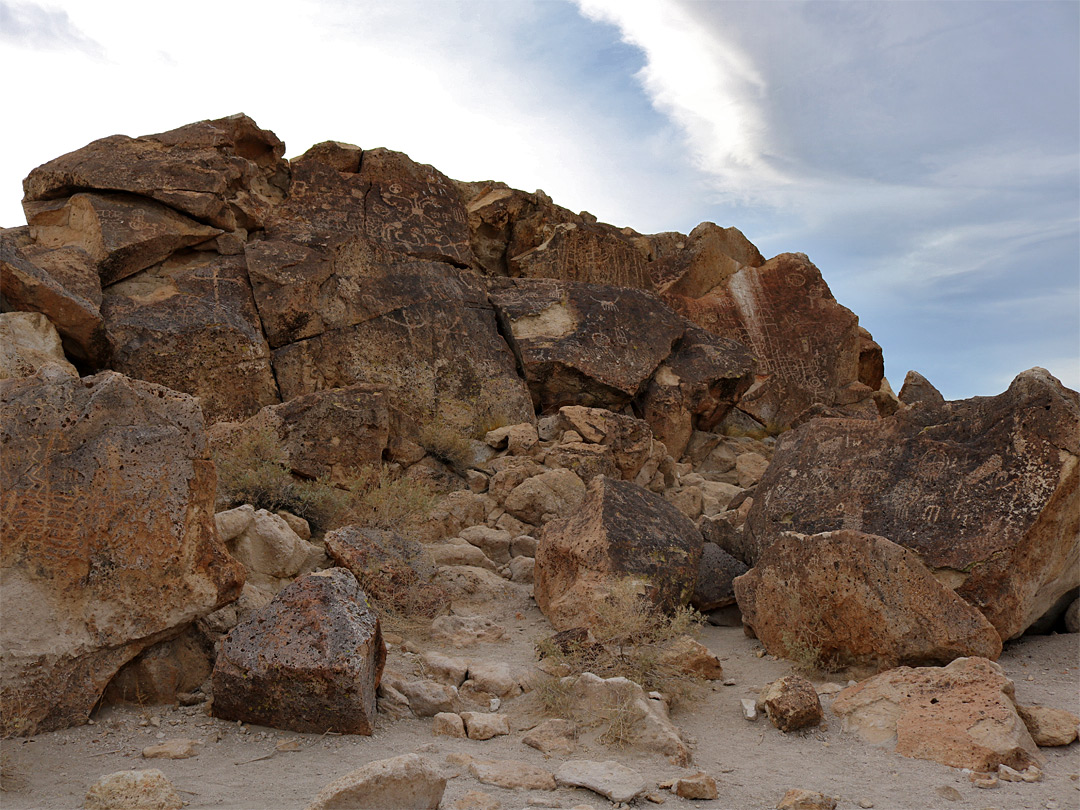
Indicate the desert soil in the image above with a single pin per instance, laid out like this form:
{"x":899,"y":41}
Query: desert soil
{"x":753,"y":763}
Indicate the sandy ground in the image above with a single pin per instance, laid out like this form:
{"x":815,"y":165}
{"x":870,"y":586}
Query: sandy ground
{"x":753,"y":763}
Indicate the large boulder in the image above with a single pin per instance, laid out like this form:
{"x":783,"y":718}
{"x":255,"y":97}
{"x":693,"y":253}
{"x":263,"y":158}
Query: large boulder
{"x":29,"y":342}
{"x":983,"y":490}
{"x":962,"y":715}
{"x":108,"y":542}
{"x":851,"y":599}
{"x":809,"y":348}
{"x":310,"y":661}
{"x":629,"y":440}
{"x":717,"y":571}
{"x":620,"y":531}
{"x":692,"y":266}
{"x":190,"y":323}
{"x":62,"y":284}
{"x":225,"y":173}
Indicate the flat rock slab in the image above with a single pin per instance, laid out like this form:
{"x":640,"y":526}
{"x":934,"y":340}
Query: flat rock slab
{"x":512,"y":774}
{"x":610,"y":779}
{"x":407,"y":782}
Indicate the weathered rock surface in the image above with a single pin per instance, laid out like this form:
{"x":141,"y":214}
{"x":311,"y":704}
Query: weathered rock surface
{"x":917,"y":388}
{"x":309,"y":661}
{"x":802,"y":799}
{"x":406,"y":782}
{"x":692,"y":266}
{"x":983,"y":490}
{"x":619,"y":531}
{"x":791,"y":703}
{"x":108,"y":542}
{"x":190,"y":323}
{"x":807,"y":345}
{"x":29,"y":342}
{"x":851,"y":599}
{"x":962,"y":715}
{"x":512,"y":774}
{"x":584,"y":344}
{"x":62,"y":284}
{"x":225,"y":173}
{"x":545,"y":497}
{"x":613,"y":781}
{"x":698,"y":786}
{"x":629,"y":440}
{"x":1049,"y":726}
{"x":270,"y":550}
{"x":717,"y":570}
{"x":133,"y":790}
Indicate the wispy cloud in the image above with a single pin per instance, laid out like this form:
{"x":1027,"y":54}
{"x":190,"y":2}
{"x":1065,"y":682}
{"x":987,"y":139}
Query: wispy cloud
{"x":29,"y":25}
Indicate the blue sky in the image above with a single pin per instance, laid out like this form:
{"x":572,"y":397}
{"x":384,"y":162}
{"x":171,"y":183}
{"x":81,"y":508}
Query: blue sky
{"x":925,"y":155}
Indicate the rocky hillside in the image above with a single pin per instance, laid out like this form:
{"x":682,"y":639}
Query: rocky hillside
{"x":258,"y":415}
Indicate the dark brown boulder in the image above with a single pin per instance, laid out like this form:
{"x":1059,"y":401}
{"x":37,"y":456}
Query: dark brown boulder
{"x":695,"y":387}
{"x":108,"y":542}
{"x":190,"y":323}
{"x":917,"y":388}
{"x":846,"y":598}
{"x":226,"y":173}
{"x":983,"y":490}
{"x":584,"y":344}
{"x":791,"y":703}
{"x":716,"y":573}
{"x":63,"y":285}
{"x":620,"y":531}
{"x":808,"y":347}
{"x":310,"y":661}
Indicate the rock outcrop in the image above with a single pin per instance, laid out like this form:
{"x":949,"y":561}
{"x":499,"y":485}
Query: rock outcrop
{"x":309,"y":661}
{"x":106,"y":496}
{"x":983,"y":490}
{"x":620,"y":531}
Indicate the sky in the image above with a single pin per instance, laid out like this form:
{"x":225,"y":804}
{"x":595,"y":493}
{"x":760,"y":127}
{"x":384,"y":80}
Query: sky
{"x":924,"y":155}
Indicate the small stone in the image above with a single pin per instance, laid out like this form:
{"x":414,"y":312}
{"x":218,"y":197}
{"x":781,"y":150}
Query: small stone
{"x":553,"y":736}
{"x":729,"y":681}
{"x":984,"y":780}
{"x":172,"y":749}
{"x":865,"y":804}
{"x":759,"y":653}
{"x":655,"y":798}
{"x":485,"y":725}
{"x":288,"y":746}
{"x":749,"y":709}
{"x":1007,"y":774}
{"x":476,"y":800}
{"x":949,"y":793}
{"x":448,"y":724}
{"x":698,"y":786}
{"x":798,"y":799}
{"x":1032,"y":773}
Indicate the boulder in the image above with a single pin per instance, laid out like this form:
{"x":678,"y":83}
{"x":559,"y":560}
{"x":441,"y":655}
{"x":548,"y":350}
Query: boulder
{"x":29,"y":342}
{"x":133,"y":790}
{"x":791,"y":703}
{"x":983,"y":490}
{"x":691,"y":266}
{"x":271,"y":551}
{"x":341,"y":157}
{"x":190,"y":323}
{"x":108,"y":542}
{"x":512,"y":774}
{"x":629,"y":440}
{"x":584,"y":344}
{"x":917,"y":388}
{"x":329,"y":433}
{"x":619,"y":531}
{"x":698,"y":786}
{"x":802,"y":799}
{"x":717,"y":570}
{"x":121,"y":233}
{"x":62,"y":284}
{"x":448,"y":724}
{"x":545,"y":497}
{"x":485,"y":725}
{"x":807,"y":346}
{"x":163,"y":671}
{"x":962,"y":715}
{"x":695,"y":387}
{"x":1048,"y":726}
{"x":225,"y":173}
{"x":846,"y":598}
{"x":310,"y":661}
{"x":406,"y":782}
{"x":553,"y":736}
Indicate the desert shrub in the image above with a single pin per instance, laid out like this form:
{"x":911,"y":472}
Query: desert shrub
{"x":802,"y":648}
{"x":252,"y":470}
{"x":629,"y":639}
{"x":447,"y":444}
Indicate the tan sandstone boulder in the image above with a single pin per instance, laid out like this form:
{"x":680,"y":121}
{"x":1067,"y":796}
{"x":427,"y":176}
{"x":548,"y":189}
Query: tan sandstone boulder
{"x":406,"y":782}
{"x":846,"y":598}
{"x":28,"y":341}
{"x":983,"y":490}
{"x":108,"y":542}
{"x":619,"y":531}
{"x":962,"y":715}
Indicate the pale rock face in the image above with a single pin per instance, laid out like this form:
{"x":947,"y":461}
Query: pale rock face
{"x":613,"y":781}
{"x":512,"y":774}
{"x":962,"y":715}
{"x":407,"y":782}
{"x":1048,"y":726}
{"x":107,"y":486}
{"x":545,"y":497}
{"x":28,"y":341}
{"x":485,"y":725}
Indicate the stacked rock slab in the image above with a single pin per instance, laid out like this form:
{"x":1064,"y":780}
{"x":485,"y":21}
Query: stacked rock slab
{"x":310,"y":661}
{"x":983,"y":490}
{"x":108,"y":541}
{"x":620,"y":531}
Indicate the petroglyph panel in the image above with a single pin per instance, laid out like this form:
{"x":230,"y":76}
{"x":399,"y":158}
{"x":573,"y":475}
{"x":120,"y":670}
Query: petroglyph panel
{"x":575,"y":252}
